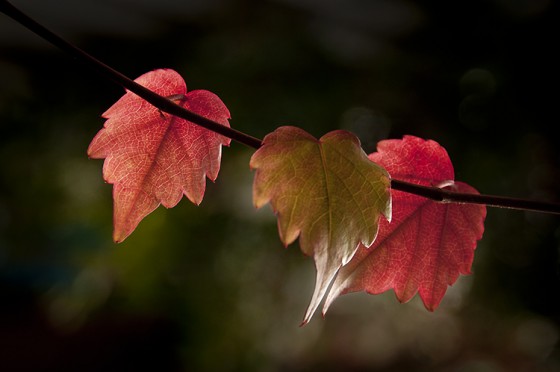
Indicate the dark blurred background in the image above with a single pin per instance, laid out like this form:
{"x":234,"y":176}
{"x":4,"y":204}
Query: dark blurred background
{"x":211,"y":287}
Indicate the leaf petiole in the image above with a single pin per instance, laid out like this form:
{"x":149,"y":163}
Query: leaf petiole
{"x":175,"y":97}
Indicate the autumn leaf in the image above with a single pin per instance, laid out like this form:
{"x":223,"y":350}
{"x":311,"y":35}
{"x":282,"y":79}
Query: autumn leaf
{"x":325,"y":191}
{"x":152,"y":157}
{"x":427,"y":244}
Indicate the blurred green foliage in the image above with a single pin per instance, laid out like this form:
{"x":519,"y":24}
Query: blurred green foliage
{"x":211,"y":287}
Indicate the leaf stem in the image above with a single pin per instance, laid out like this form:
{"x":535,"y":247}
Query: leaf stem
{"x":166,"y":105}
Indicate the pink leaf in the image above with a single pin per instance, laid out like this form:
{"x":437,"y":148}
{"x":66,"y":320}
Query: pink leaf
{"x":427,"y":244}
{"x":152,"y":157}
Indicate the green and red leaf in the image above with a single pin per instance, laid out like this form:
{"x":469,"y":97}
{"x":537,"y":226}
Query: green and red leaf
{"x":325,"y":191}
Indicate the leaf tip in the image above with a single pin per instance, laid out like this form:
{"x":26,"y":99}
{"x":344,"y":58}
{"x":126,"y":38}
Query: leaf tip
{"x":388,"y":211}
{"x":119,"y":236}
{"x":90,"y":153}
{"x":309,"y":313}
{"x":431,"y":307}
{"x":431,"y":304}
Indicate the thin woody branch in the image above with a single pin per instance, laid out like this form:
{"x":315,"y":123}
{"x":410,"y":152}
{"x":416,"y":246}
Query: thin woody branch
{"x":447,"y":196}
{"x":166,"y":105}
{"x":155,"y":99}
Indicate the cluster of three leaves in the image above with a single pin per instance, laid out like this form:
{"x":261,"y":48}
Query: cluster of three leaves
{"x":326,"y":191}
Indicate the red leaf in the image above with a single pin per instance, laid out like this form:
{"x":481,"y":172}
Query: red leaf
{"x":152,"y":157}
{"x":427,"y":244}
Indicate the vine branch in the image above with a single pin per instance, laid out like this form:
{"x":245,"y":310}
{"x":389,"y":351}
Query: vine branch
{"x":166,"y":105}
{"x":155,"y":99}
